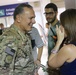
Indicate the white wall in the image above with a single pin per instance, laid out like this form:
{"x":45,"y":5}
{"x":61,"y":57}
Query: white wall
{"x":70,"y":4}
{"x":60,"y":10}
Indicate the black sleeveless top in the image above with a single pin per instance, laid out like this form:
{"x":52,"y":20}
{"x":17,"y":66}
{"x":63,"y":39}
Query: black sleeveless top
{"x":69,"y":68}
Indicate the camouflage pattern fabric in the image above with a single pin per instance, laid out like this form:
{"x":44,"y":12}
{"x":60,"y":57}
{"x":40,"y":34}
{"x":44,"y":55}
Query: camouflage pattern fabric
{"x":15,"y":53}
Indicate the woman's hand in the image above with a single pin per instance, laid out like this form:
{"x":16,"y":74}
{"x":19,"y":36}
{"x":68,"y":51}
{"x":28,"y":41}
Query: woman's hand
{"x":60,"y":33}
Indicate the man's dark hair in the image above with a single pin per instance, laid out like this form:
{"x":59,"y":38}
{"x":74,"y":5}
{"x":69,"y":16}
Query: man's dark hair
{"x":20,"y":9}
{"x":52,"y":5}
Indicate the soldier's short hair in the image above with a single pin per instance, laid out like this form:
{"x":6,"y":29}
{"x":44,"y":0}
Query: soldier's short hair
{"x":19,"y":9}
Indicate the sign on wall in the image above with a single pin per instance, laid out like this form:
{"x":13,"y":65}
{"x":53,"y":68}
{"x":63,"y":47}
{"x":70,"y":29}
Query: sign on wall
{"x":7,"y":10}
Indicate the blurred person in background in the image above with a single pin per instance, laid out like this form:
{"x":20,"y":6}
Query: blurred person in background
{"x":37,"y":44}
{"x":51,"y":11}
{"x":1,"y":28}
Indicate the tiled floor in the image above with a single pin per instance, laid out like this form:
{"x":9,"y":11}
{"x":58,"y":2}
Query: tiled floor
{"x":43,"y":61}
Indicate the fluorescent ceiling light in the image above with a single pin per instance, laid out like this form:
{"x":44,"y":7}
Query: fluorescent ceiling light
{"x":20,"y":0}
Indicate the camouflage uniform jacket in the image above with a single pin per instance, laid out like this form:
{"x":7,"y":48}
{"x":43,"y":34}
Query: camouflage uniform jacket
{"x":15,"y":53}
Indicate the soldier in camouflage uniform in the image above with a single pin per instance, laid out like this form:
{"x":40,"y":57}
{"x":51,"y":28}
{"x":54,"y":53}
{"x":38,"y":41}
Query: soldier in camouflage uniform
{"x":15,"y":44}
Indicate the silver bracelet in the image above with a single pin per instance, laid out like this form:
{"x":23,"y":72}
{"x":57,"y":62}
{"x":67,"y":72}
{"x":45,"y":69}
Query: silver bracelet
{"x":54,"y":51}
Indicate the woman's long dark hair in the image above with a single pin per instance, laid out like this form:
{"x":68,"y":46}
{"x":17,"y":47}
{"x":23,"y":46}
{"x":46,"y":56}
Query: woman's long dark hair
{"x":68,"y":21}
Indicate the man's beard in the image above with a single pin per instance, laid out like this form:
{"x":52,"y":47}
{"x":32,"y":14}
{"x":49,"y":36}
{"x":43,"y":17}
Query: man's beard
{"x":52,"y":20}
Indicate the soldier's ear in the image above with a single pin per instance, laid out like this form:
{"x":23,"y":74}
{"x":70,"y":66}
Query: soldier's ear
{"x":18,"y":18}
{"x":56,"y":13}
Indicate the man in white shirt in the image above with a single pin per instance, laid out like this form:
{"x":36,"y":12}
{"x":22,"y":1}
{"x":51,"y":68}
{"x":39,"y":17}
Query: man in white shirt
{"x":36,"y":43}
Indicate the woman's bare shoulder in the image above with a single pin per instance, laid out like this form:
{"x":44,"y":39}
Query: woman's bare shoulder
{"x":68,"y":48}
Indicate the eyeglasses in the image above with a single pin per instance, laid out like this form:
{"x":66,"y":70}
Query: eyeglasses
{"x":49,"y":13}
